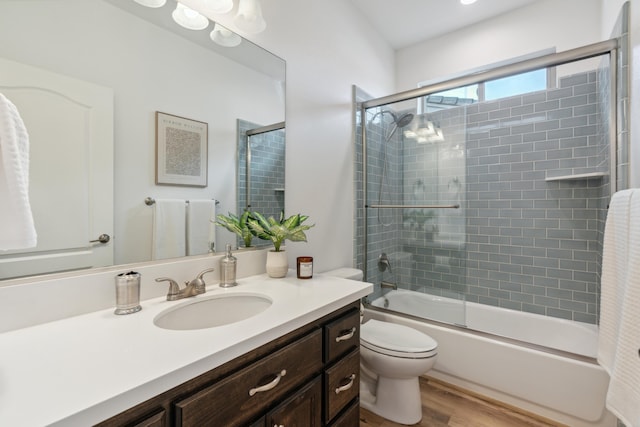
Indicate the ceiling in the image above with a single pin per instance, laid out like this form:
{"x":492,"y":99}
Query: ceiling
{"x":406,"y":22}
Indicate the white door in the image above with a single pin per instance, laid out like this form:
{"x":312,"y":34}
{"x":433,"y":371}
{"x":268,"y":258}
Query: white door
{"x":70,"y":127}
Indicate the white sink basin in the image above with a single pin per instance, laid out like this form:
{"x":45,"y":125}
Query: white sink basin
{"x":208,"y":312}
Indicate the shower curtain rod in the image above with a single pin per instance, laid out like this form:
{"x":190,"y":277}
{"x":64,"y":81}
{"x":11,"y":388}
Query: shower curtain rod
{"x":550,"y":60}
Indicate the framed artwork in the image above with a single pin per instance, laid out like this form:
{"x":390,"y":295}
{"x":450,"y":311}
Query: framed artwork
{"x":181,"y":151}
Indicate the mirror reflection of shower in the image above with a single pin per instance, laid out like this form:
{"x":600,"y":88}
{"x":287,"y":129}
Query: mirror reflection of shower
{"x":397,"y":122}
{"x":260,"y":168}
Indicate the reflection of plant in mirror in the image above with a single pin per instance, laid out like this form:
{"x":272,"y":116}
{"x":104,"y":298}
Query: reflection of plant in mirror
{"x":238,"y":225}
{"x":418,"y":218}
{"x":279,"y":231}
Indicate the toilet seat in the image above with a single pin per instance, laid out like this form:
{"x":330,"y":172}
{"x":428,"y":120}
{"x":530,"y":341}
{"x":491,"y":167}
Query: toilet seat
{"x":397,"y":340}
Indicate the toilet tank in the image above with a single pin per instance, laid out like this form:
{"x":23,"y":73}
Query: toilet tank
{"x":346,"y":273}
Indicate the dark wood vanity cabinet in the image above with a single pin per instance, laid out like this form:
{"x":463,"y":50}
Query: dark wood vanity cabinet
{"x":309,"y":377}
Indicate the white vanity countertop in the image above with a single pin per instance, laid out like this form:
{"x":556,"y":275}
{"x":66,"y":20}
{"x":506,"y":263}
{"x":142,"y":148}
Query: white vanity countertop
{"x":84,"y":369}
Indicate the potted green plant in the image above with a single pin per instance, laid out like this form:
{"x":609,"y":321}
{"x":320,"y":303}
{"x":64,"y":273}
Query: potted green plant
{"x":238,"y":225}
{"x":277,"y":231}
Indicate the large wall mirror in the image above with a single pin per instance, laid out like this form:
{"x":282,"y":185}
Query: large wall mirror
{"x":101,"y":70}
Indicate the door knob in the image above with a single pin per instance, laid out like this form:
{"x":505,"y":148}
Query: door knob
{"x":103,"y":238}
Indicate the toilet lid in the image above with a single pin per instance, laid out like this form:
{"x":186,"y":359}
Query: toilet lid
{"x":394,"y":339}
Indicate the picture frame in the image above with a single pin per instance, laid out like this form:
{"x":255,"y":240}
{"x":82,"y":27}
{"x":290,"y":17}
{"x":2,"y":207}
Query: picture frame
{"x":181,"y":151}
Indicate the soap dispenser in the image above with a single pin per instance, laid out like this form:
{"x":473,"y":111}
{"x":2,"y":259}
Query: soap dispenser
{"x":228,"y":269}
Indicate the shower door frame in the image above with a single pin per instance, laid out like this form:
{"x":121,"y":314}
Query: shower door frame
{"x":609,"y":47}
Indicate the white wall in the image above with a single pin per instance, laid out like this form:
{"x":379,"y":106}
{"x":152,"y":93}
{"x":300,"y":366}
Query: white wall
{"x":544,"y":24}
{"x":328,"y":48}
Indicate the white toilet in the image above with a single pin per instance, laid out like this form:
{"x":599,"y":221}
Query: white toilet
{"x":392,"y":357}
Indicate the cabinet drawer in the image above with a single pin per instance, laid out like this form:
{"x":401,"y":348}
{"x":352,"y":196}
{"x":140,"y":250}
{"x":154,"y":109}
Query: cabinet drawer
{"x":342,"y":335}
{"x":244,"y":395}
{"x":342,"y":384}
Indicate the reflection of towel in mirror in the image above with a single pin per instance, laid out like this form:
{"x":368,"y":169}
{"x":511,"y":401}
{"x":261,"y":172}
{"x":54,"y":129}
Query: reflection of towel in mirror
{"x":200,"y":228}
{"x":619,"y":338}
{"x":169,"y":225}
{"x":17,"y":230}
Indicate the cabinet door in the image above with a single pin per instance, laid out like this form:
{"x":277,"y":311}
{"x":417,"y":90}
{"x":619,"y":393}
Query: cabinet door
{"x":303,"y":409}
{"x":350,"y":417}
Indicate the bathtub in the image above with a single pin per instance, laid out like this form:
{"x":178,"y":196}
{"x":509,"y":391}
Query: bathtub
{"x":540,"y":364}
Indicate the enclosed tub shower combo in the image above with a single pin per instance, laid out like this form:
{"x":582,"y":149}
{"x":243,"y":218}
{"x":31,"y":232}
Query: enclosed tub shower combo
{"x":481,"y":203}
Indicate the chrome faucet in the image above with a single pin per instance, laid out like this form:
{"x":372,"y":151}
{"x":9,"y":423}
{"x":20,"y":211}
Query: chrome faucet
{"x":199,"y":283}
{"x":195,"y":287}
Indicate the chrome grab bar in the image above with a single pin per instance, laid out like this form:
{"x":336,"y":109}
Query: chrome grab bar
{"x":413,"y":206}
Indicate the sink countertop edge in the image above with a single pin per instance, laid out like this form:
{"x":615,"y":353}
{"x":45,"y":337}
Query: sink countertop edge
{"x":122,"y":352}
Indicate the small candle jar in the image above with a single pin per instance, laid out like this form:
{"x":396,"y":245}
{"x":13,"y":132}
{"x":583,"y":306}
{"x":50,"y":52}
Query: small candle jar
{"x":305,"y":267}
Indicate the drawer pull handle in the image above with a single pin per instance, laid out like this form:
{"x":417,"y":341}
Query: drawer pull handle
{"x":351,"y":332}
{"x":348,"y":385}
{"x":269,"y":386}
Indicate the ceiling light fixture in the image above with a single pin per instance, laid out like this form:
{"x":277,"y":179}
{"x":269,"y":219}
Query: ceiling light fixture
{"x":151,"y":3}
{"x":224,"y":37}
{"x":249,"y":17}
{"x":217,"y":6}
{"x":189,"y":18}
{"x":466,"y":2}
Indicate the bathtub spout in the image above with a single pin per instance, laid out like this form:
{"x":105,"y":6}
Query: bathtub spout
{"x":388,"y":285}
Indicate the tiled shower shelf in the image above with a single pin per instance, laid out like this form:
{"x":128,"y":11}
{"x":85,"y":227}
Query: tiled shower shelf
{"x":279,"y":189}
{"x":576,"y":177}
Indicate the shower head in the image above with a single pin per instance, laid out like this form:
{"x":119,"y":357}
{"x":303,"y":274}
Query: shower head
{"x":399,"y":122}
{"x":404,"y":120}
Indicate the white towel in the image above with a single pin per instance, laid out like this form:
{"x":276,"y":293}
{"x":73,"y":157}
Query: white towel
{"x":615,"y":261}
{"x":169,"y":227}
{"x":619,"y":340}
{"x":200,"y":228}
{"x":17,"y":229}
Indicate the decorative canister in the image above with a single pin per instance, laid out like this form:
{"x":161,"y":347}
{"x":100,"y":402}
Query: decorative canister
{"x":305,"y":267}
{"x":128,"y":293}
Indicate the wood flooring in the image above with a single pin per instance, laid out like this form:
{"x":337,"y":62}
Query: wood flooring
{"x":447,"y":406}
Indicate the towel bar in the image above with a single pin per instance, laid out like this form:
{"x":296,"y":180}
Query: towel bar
{"x":149,"y":201}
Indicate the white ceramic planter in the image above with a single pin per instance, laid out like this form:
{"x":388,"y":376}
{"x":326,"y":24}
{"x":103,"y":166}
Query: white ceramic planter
{"x":277,"y":263}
